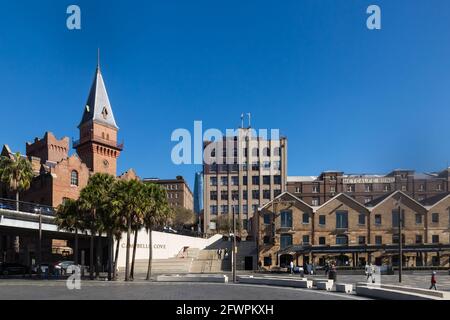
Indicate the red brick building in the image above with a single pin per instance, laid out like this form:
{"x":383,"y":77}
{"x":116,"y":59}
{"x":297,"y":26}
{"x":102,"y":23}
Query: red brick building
{"x":59,"y":175}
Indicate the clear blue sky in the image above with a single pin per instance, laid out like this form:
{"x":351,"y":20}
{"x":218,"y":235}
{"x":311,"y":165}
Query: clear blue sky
{"x":347,"y":98}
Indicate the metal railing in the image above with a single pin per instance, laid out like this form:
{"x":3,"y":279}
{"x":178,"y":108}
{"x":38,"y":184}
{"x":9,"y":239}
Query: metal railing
{"x":35,"y":208}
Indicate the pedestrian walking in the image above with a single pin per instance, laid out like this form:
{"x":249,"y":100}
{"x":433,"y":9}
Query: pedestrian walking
{"x":219,"y":253}
{"x":291,"y":265}
{"x":433,"y":281}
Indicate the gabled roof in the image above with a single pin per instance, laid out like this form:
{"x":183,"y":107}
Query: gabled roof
{"x":377,"y":202}
{"x":98,"y":109}
{"x":339,"y":196}
{"x":433,"y":201}
{"x":284,"y":194}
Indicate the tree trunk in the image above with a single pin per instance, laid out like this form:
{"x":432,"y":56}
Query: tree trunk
{"x":150,"y":255}
{"x":127,"y":258}
{"x":17,"y":200}
{"x":116,"y":257}
{"x":110,"y":255}
{"x":99,"y":251}
{"x":91,"y":257}
{"x":75,"y":250}
{"x":134,"y":254}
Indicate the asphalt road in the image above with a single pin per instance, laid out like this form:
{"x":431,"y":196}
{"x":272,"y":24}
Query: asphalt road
{"x":141,"y":290}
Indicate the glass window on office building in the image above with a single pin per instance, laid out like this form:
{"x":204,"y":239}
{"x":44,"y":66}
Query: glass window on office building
{"x":267,"y":218}
{"x":255,"y":180}
{"x":322,"y":241}
{"x":224,"y":181}
{"x":277,"y":179}
{"x":235,"y":195}
{"x":244,"y":180}
{"x":255,"y":194}
{"x":213,"y":181}
{"x":286,"y":219}
{"x":266,"y":165}
{"x":245,"y":209}
{"x":255,"y":166}
{"x":266,"y":194}
{"x":276,"y":192}
{"x":213,"y":209}
{"x":234,"y":180}
{"x":224,"y":209}
{"x":224,"y":195}
{"x":266,"y":180}
{"x":341,"y":220}
{"x":245,"y":194}
{"x":285,"y":241}
{"x":213,"y":195}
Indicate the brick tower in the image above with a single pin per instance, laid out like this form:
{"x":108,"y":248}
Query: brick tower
{"x":97,"y":146}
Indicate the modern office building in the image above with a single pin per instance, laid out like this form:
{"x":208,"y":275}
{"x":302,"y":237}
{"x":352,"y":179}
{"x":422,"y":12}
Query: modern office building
{"x":241,"y":173}
{"x":351,"y":233}
{"x":178,"y":192}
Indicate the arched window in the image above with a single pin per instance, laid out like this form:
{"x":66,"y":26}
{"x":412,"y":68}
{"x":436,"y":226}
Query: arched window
{"x":74,"y":178}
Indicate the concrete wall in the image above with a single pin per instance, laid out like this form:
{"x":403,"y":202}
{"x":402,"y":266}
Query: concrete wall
{"x":165,"y":245}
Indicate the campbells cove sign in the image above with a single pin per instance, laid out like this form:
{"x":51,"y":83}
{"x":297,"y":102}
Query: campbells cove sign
{"x":368,"y":180}
{"x":145,"y":246}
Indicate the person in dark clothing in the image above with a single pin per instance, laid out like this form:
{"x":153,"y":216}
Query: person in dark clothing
{"x":433,"y":281}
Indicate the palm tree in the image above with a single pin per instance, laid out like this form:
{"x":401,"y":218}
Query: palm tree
{"x":158,"y":214}
{"x":68,"y":218}
{"x":95,"y":200}
{"x":127,"y":196}
{"x":17,"y":173}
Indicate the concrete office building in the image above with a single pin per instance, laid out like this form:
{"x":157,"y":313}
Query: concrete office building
{"x":242,"y":173}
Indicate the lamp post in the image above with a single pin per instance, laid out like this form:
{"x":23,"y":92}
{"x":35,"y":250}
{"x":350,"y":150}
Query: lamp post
{"x":234,"y":246}
{"x":400,"y":244}
{"x":38,"y":210}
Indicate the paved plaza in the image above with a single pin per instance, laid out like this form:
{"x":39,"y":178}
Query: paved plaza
{"x":141,"y":290}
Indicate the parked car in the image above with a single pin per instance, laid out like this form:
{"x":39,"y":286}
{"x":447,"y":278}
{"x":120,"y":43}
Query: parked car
{"x":62,"y":266}
{"x":44,"y":267}
{"x":7,"y":206}
{"x":13,"y":269}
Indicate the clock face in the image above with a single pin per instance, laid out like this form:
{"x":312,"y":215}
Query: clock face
{"x":105,"y":163}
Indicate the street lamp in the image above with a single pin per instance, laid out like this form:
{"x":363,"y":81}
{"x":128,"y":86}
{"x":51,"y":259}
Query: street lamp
{"x":234,"y":246}
{"x":38,"y":210}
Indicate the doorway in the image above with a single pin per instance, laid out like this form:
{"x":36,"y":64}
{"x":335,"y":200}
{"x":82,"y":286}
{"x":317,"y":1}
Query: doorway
{"x":248,"y":263}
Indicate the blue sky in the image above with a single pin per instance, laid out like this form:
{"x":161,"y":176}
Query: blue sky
{"x":347,"y":98}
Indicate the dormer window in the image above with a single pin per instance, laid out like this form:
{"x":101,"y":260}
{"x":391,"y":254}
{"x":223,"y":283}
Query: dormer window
{"x":104,"y":113}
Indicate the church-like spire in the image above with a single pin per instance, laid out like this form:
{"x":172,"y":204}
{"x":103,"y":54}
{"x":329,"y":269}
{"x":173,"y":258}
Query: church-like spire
{"x":98,"y":109}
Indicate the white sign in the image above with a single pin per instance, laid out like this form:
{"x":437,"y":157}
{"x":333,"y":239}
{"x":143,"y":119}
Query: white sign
{"x":368,"y":180}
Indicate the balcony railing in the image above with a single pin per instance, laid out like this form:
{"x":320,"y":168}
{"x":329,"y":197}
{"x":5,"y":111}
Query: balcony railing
{"x":99,"y":139}
{"x":28,"y":207}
